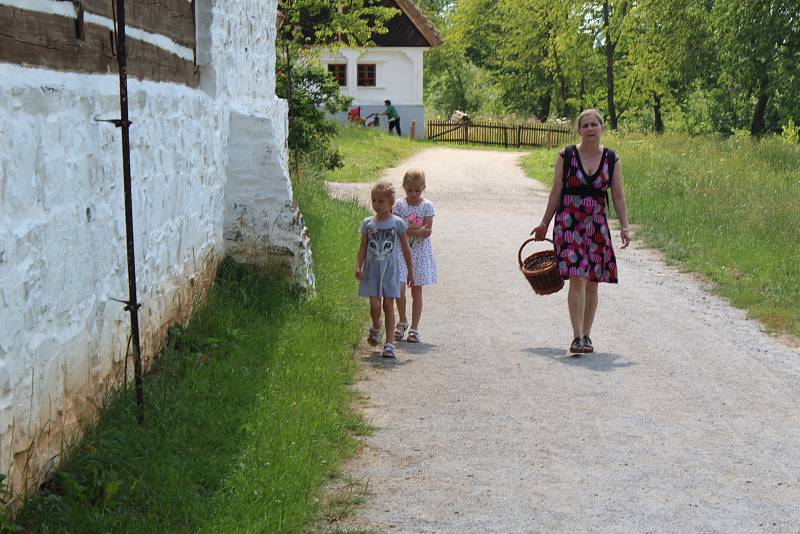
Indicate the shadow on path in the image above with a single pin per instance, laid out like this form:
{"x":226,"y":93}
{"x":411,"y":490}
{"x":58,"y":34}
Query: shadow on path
{"x":594,"y":361}
{"x":414,"y":348}
{"x":377,"y":361}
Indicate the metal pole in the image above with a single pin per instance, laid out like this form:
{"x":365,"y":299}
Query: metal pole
{"x":132,"y":304}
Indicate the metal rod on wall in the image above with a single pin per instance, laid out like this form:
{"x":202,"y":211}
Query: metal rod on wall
{"x":132,"y":305}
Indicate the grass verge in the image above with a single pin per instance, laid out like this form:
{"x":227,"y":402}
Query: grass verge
{"x":724,"y":208}
{"x":248,"y":409}
{"x":368,"y":151}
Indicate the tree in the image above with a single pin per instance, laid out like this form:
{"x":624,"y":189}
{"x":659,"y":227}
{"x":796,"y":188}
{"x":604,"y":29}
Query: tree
{"x":309,"y":91}
{"x":662,"y":74}
{"x":718,"y":64}
{"x":604,"y":19}
{"x":759,"y":40}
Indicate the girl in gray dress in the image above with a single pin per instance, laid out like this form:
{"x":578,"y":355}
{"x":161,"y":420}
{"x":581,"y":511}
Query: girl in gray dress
{"x":377,"y":263}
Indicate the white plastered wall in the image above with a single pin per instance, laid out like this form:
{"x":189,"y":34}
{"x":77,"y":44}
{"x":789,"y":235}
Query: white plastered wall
{"x":63,"y":339}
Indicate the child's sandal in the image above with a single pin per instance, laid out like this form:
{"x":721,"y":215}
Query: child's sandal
{"x":388,"y":351}
{"x":374,"y":337}
{"x":413,"y":336}
{"x":400,"y":331}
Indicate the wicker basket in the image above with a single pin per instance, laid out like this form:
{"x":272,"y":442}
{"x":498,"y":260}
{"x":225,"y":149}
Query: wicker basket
{"x":541,"y":270}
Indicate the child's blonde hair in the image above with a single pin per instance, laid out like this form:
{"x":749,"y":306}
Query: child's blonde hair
{"x":414,"y":176}
{"x":384,"y":187}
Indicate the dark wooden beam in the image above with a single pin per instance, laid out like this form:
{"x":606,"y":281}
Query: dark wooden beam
{"x":51,"y":41}
{"x":171,"y":18}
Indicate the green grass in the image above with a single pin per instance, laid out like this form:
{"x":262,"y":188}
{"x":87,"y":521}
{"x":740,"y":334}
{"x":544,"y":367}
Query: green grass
{"x":538,"y":164}
{"x":368,"y":151}
{"x":727,"y":209}
{"x":248,"y":410}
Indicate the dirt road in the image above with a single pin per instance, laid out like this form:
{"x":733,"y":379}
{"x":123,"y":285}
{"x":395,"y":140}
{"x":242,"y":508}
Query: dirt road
{"x":685,"y":419}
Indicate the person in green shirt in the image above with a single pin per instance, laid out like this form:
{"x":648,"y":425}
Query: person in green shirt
{"x":394,"y":117}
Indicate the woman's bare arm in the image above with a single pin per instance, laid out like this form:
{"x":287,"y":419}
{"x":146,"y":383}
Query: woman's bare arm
{"x":618,"y":196}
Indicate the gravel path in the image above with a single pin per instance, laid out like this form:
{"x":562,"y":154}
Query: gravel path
{"x":685,"y":419}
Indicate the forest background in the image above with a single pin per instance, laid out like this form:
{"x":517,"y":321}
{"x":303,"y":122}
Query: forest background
{"x":696,"y":66}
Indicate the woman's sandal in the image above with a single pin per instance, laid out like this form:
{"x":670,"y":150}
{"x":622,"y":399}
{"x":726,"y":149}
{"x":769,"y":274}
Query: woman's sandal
{"x":374,"y":337}
{"x":577,"y":346}
{"x":400,"y":330}
{"x":388,"y":351}
{"x":587,"y":344}
{"x":413,"y":336}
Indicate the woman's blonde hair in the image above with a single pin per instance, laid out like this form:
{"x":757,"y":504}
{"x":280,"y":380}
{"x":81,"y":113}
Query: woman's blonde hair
{"x":587,"y":112}
{"x":414,"y":176}
{"x":384,"y":187}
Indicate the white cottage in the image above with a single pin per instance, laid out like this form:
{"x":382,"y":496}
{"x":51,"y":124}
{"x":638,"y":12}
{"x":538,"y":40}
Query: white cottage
{"x":210,"y":178}
{"x":392,"y":70}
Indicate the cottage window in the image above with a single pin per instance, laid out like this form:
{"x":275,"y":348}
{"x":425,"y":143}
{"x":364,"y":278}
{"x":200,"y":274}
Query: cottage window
{"x":366,"y":75}
{"x":339,"y":73}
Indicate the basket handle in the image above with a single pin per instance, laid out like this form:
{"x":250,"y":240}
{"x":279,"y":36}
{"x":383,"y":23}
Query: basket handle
{"x":519,"y":254}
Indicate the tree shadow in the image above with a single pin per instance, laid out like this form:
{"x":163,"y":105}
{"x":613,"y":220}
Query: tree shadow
{"x":593,"y":361}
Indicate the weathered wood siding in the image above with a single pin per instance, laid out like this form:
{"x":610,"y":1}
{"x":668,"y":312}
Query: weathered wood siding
{"x":62,"y":43}
{"x":171,"y":18}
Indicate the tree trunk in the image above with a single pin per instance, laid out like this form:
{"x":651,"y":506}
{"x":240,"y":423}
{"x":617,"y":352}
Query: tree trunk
{"x":544,"y":106}
{"x":612,"y":110}
{"x":657,"y":112}
{"x":462,"y":93}
{"x":461,"y":96}
{"x":757,"y":125}
{"x":562,"y":81}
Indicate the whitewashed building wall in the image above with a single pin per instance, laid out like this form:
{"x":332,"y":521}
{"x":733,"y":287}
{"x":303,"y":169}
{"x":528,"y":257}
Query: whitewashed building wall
{"x":210,"y":177}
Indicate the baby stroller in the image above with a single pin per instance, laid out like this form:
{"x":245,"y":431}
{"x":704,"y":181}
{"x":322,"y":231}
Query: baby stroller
{"x":354,"y":115}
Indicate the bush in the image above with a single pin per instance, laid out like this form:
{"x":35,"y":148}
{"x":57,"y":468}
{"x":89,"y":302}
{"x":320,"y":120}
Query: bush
{"x":312,"y":93}
{"x":790,"y":133}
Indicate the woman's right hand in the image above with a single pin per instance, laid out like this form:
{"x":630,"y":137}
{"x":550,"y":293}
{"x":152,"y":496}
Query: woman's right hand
{"x":539,"y":232}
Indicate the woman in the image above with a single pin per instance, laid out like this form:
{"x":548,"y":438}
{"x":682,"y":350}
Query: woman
{"x":582,"y":238}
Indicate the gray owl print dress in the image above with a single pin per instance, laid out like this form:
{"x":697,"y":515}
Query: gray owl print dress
{"x":381,"y":270}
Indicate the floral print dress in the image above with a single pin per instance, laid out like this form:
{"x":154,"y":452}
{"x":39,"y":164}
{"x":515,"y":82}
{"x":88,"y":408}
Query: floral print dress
{"x":580,"y":233}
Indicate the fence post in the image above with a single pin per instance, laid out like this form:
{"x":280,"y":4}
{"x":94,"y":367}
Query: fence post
{"x":413,"y":133}
{"x":466,"y":133}
{"x":549,"y":138}
{"x":505,"y":137}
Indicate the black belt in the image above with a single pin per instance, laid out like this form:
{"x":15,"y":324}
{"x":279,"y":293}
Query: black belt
{"x":585,"y":191}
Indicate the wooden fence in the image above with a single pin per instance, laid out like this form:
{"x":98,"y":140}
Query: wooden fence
{"x":507,"y":135}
